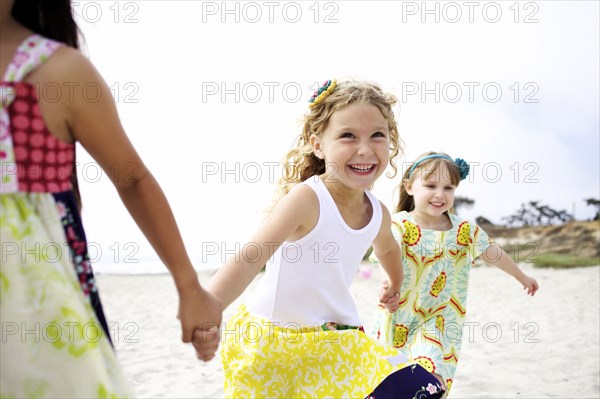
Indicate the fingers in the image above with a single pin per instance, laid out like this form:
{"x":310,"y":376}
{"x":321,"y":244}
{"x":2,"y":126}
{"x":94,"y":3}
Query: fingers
{"x":206,"y":343}
{"x":389,"y":299}
{"x":531,"y":290}
{"x":188,"y":331}
{"x":186,"y":335}
{"x":391,"y":307}
{"x":391,"y":303}
{"x":531,"y":287}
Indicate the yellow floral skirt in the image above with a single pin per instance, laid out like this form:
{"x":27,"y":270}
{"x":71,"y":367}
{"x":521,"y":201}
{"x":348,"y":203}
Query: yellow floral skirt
{"x":263,"y":360}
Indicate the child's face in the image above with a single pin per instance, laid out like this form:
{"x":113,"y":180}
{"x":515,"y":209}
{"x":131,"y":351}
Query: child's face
{"x":433,"y":195}
{"x":355,"y":146}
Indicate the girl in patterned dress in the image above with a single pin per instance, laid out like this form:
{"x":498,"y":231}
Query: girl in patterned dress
{"x":300,"y":335}
{"x":438,"y":248}
{"x":55,"y":340}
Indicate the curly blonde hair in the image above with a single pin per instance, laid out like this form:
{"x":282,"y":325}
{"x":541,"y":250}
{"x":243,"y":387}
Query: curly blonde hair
{"x":300,"y":163}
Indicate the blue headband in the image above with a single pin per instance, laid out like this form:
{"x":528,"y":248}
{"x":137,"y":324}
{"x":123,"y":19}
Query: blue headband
{"x":461,"y":164}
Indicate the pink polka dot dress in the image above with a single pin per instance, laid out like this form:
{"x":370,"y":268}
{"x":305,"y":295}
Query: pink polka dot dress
{"x":44,"y":164}
{"x":56,"y":342}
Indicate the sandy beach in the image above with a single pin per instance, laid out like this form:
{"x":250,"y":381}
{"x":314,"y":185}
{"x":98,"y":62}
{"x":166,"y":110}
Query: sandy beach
{"x":514,"y":346}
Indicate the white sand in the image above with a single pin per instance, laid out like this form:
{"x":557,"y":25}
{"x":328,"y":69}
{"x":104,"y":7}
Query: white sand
{"x":514,"y":346}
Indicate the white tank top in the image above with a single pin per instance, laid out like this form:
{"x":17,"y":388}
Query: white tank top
{"x":307,"y":282}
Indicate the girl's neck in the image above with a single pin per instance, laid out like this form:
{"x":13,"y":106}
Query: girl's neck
{"x":428,"y":222}
{"x":10,"y":29}
{"x":353,"y":206}
{"x":5,"y":11}
{"x":342,"y":195}
{"x":12,"y":35}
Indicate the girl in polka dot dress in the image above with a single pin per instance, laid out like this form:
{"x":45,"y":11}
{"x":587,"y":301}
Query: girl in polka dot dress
{"x":438,"y":248}
{"x":55,"y":339}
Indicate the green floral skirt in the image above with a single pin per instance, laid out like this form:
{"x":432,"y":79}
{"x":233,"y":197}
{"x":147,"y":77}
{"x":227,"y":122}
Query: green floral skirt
{"x":52,"y":342}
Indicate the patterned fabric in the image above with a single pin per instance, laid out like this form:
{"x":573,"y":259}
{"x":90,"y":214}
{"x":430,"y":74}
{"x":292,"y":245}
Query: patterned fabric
{"x":44,"y":163}
{"x":264,"y":360}
{"x":55,"y":344}
{"x":30,"y":54}
{"x":78,"y":252}
{"x":410,"y":382}
{"x":427,"y":328}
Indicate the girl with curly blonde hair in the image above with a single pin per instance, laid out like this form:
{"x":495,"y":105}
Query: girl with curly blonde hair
{"x":300,"y":335}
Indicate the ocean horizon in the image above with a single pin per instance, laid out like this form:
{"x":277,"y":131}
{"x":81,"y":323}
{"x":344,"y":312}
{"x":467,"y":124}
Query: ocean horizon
{"x":145,"y":266}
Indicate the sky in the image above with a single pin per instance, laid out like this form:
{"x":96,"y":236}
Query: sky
{"x":212,"y":94}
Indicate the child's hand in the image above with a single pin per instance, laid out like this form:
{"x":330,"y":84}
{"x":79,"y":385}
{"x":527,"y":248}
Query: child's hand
{"x":389,"y":297}
{"x":529,"y":284}
{"x":206,"y":343}
{"x":200,"y":315}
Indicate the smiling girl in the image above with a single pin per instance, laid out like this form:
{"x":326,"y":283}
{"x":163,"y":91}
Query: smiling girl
{"x":438,"y":249}
{"x":300,"y":335}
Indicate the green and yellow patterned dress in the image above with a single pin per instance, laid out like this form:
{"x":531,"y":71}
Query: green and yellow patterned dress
{"x":427,"y":328}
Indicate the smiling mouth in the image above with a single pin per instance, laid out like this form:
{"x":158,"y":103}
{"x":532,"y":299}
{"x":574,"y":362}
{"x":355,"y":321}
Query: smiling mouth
{"x":362,"y":169}
{"x":437,"y":204}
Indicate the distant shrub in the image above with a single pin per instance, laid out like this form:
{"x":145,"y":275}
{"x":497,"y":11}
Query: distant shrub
{"x":563,"y":261}
{"x":535,"y":214}
{"x":481,"y":221}
{"x":596,"y":203}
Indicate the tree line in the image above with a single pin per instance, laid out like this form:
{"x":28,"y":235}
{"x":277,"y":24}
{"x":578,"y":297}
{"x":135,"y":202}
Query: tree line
{"x":532,"y":213}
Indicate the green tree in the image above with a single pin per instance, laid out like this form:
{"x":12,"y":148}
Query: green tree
{"x":480,"y":220}
{"x":596,"y":203}
{"x":462,"y":202}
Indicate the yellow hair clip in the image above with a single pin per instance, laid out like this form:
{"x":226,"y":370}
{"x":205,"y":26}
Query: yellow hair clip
{"x":320,"y":95}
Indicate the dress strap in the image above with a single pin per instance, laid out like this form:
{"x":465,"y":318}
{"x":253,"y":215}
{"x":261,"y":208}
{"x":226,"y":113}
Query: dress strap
{"x":30,"y":54}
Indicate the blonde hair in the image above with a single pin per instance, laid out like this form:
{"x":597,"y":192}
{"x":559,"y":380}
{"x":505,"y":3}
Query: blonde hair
{"x":300,"y":163}
{"x":424,"y":169}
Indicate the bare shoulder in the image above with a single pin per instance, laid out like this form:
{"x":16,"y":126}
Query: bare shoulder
{"x":386,"y":217}
{"x":386,"y":223}
{"x":301,"y":207}
{"x":67,"y":65}
{"x":304,"y":192}
{"x":384,"y":210}
{"x":74,"y":98}
{"x":301,"y":198}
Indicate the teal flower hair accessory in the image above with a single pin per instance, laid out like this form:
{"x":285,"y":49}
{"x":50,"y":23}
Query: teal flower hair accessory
{"x":463,"y":168}
{"x":322,"y":92}
{"x":461,"y":164}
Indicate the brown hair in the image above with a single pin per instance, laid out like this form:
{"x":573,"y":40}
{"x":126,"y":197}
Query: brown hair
{"x":424,"y":169}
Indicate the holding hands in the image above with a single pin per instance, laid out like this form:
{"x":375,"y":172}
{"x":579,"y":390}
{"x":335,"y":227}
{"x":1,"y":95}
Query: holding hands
{"x":200,"y":316}
{"x":389,"y":297}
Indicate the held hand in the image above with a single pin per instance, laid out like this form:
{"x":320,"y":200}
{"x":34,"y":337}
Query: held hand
{"x":389,"y":297}
{"x":529,"y":284}
{"x":200,"y":314}
{"x":206,"y":343}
